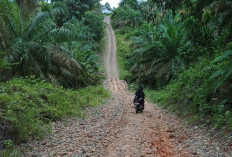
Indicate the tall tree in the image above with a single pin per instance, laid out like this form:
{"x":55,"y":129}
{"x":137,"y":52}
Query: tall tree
{"x":130,"y":3}
{"x":107,"y":6}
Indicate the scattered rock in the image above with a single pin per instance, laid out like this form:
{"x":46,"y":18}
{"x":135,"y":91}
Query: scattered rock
{"x":115,"y":130}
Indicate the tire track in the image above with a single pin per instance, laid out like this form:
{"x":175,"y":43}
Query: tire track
{"x":110,"y":55}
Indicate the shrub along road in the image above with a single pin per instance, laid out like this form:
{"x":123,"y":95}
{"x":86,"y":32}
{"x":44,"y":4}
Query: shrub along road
{"x":114,"y":130}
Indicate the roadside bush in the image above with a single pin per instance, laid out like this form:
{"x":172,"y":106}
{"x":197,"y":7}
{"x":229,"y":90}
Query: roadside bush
{"x":200,"y":92}
{"x":123,"y":52}
{"x":29,"y":105}
{"x":126,"y":16}
{"x":3,"y":63}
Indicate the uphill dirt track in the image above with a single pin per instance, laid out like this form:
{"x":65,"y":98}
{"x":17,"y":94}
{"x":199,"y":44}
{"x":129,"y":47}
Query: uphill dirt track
{"x":137,"y":134}
{"x":152,"y":133}
{"x":114,"y":130}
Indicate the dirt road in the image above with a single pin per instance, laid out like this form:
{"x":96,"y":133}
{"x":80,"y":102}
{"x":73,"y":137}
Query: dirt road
{"x":110,"y":56}
{"x":114,"y":130}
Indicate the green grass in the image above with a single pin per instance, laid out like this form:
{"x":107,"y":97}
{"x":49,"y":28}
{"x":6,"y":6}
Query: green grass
{"x":102,"y":43}
{"x":123,"y":49}
{"x":154,"y":95}
{"x":102,"y":50}
{"x":29,"y":105}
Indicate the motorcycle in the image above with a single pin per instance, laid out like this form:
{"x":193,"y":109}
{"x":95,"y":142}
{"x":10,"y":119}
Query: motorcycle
{"x":138,"y":105}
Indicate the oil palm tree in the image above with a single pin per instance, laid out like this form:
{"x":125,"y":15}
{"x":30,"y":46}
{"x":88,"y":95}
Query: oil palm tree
{"x":31,"y":44}
{"x":160,"y":51}
{"x":126,"y":16}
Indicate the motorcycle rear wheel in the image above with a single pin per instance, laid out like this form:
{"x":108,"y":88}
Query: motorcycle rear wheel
{"x":136,"y":110}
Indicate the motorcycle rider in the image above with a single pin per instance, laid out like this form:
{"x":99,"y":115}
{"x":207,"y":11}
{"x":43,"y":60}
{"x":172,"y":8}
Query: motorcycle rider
{"x":139,"y":94}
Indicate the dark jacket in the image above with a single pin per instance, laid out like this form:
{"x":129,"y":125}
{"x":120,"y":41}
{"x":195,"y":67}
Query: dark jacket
{"x":139,"y":93}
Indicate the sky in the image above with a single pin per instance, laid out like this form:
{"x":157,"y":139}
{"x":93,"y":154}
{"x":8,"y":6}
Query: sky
{"x":113,"y":3}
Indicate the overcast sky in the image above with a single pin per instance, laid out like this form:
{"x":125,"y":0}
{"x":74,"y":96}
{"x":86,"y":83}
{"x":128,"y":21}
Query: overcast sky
{"x":113,"y":3}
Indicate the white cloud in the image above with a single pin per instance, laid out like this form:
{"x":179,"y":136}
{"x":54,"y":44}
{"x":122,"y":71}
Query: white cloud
{"x":113,"y":3}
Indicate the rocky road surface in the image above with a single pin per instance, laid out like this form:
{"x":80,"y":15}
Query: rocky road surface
{"x":115,"y":130}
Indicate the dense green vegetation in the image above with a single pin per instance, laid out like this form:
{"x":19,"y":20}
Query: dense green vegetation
{"x":57,"y":41}
{"x":123,"y":52}
{"x":29,"y":105}
{"x":182,"y":52}
{"x":49,"y":65}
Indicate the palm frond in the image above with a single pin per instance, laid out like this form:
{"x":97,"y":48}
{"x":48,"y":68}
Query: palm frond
{"x":62,"y":34}
{"x":65,"y":61}
{"x":226,"y":55}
